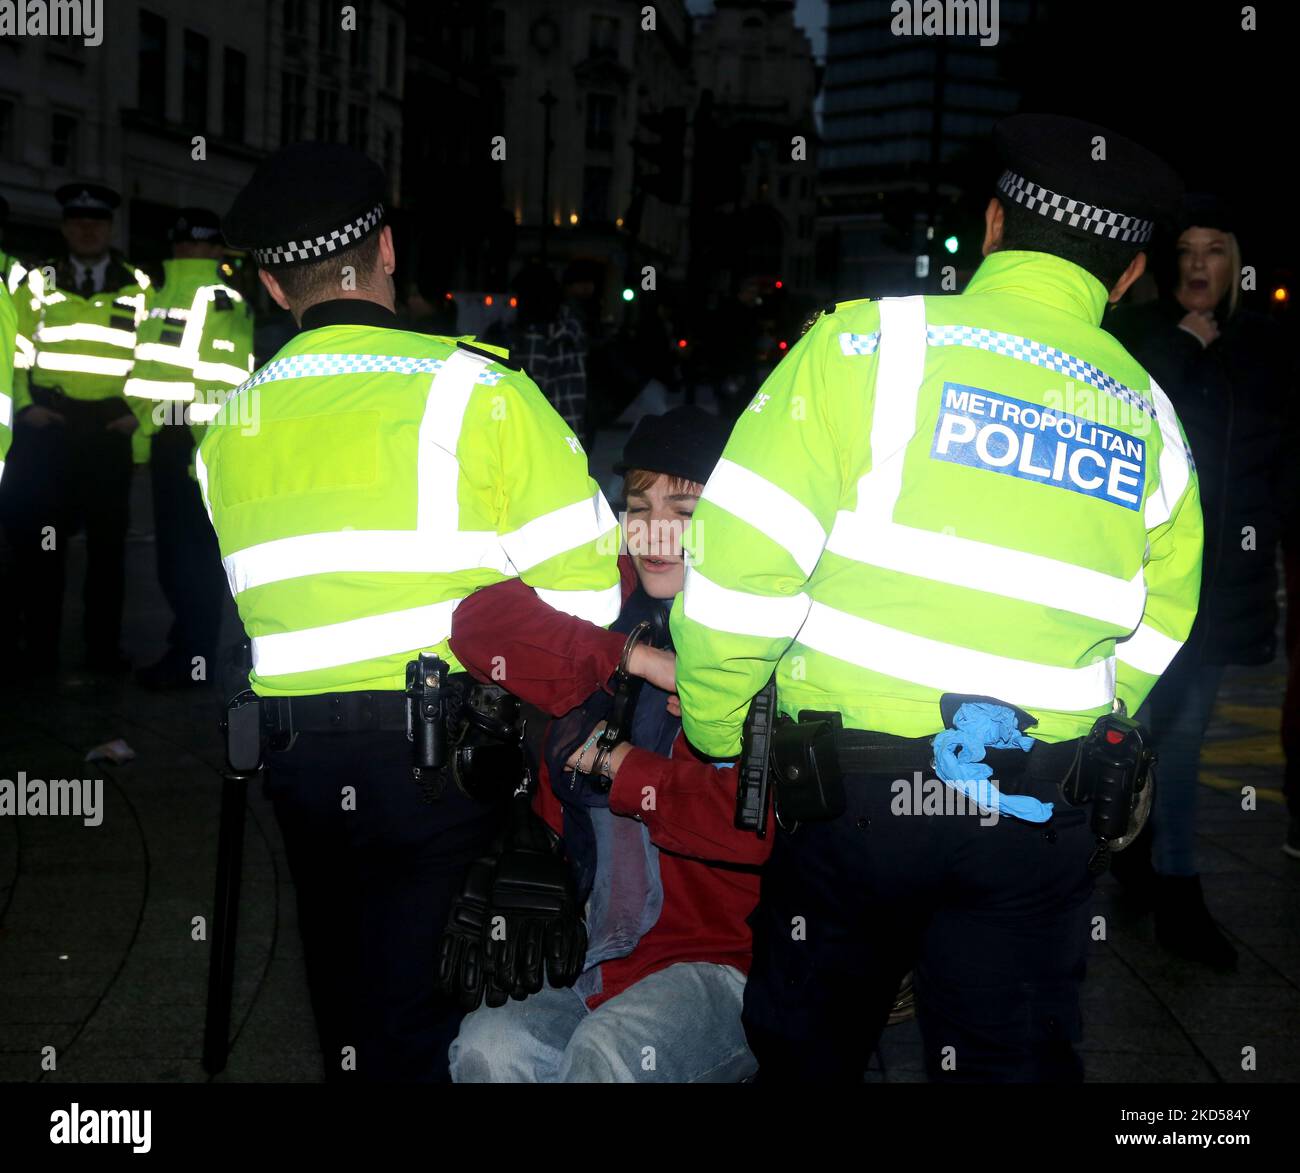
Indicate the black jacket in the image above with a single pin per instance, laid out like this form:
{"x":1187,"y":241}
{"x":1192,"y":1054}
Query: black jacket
{"x":1230,"y":397}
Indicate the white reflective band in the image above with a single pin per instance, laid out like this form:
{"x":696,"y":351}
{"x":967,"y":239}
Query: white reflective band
{"x":16,"y":277}
{"x":558,"y":531}
{"x":599,"y":607}
{"x":769,"y":509}
{"x":174,"y":313}
{"x":723,"y":609}
{"x":203,"y":413}
{"x":142,"y":279}
{"x":411,"y":551}
{"x":900,"y":368}
{"x":201,"y":475}
{"x":6,"y":410}
{"x":222,"y":344}
{"x":1011,"y":574}
{"x":24,"y":353}
{"x":950,"y":668}
{"x":164,"y":353}
{"x":84,"y":364}
{"x":219,"y":372}
{"x":352,"y":641}
{"x":1175,"y":471}
{"x":85,"y":332}
{"x":1147,"y":650}
{"x":158,"y":389}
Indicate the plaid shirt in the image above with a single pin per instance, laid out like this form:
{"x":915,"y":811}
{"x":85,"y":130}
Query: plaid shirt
{"x":555,"y":357}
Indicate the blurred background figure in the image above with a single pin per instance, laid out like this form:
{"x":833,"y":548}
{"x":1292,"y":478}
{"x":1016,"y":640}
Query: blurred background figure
{"x":1226,"y":370}
{"x":549,"y":341}
{"x":71,"y":462}
{"x":194,"y":349}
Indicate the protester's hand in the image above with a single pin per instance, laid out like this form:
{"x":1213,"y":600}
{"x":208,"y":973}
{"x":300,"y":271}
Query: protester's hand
{"x":1200,"y":324}
{"x":126,"y":424}
{"x":657,"y":665}
{"x":675,"y":705}
{"x":40,"y":417}
{"x":584,"y":762}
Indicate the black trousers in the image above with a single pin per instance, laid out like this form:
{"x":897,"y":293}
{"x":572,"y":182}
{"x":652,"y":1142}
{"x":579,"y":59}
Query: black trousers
{"x":58,"y":480}
{"x":376,"y":871}
{"x":992,"y":919}
{"x":189,"y":559}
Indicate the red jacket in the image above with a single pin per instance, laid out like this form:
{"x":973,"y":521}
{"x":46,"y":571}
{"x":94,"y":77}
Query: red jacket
{"x":556,"y":662}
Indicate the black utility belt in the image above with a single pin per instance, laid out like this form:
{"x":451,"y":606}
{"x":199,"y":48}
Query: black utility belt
{"x":333,"y":712}
{"x":868,"y":752}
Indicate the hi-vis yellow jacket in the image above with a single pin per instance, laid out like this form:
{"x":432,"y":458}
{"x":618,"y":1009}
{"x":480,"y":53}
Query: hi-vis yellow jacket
{"x":979,"y":494}
{"x":367,"y":479}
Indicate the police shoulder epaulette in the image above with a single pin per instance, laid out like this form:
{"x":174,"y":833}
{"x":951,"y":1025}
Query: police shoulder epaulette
{"x":508,"y":363}
{"x":221,"y":299}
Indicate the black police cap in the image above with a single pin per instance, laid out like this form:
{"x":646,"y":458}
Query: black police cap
{"x":685,"y":442}
{"x":195,"y":224}
{"x":87,"y":201}
{"x":306,"y":202}
{"x":1052,"y":170}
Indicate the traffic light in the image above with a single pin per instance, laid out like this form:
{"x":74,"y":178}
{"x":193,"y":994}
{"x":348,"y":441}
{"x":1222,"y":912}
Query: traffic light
{"x":951,"y":244}
{"x":628,"y":293}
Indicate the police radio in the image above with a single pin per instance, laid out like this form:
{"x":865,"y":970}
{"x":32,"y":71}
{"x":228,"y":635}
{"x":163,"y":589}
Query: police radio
{"x":426,"y":729}
{"x":1115,"y":776}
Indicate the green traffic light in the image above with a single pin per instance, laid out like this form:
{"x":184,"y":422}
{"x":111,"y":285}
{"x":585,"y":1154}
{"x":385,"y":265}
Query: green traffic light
{"x":951,"y":244}
{"x":628,"y":295}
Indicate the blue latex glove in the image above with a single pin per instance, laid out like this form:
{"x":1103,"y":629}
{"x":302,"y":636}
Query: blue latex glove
{"x":978,"y":726}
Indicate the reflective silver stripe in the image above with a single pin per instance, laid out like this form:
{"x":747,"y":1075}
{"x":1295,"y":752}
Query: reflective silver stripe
{"x":202,"y":413}
{"x":84,"y":364}
{"x":165,"y":353}
{"x":740,"y":612}
{"x":85,"y":332}
{"x":6,"y":410}
{"x":417,"y":551}
{"x":219,"y":372}
{"x":158,"y":389}
{"x":770,"y":509}
{"x":1148,"y":650}
{"x":1175,"y":469}
{"x":600,"y":607}
{"x":352,"y":641}
{"x":934,"y":664}
{"x":559,"y":531}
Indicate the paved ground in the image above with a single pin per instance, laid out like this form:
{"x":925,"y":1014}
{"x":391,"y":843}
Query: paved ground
{"x":98,"y":960}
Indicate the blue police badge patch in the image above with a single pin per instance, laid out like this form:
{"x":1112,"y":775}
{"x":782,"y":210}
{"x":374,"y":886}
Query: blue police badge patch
{"x":984,"y":429}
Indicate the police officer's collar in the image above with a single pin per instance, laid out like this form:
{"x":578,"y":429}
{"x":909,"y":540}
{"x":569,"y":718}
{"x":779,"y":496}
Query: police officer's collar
{"x":348,"y":311}
{"x":1043,"y":278}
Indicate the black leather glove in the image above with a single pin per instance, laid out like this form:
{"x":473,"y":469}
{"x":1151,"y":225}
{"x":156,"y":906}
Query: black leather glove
{"x":540,"y":934}
{"x":462,"y":960}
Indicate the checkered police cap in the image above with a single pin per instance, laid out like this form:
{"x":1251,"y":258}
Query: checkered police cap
{"x":1085,"y":178}
{"x":305,"y":203}
{"x":1113,"y":225}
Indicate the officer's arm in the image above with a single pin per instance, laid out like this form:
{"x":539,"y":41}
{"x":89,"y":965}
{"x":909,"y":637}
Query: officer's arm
{"x":8,"y":332}
{"x":1173,"y":572}
{"x":554,"y":523}
{"x":756,"y":537}
{"x":25,"y":352}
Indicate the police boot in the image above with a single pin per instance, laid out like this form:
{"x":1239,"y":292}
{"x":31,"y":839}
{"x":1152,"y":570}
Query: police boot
{"x":1184,"y":925}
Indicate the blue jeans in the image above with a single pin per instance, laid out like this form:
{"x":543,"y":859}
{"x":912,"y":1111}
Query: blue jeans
{"x":1178,"y":712}
{"x":679,"y":1025}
